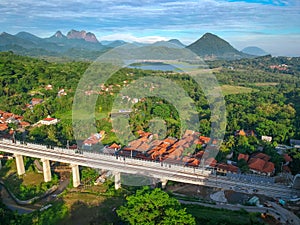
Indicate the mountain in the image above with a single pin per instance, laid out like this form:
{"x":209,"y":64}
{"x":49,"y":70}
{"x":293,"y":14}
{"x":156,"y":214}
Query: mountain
{"x":58,"y":35}
{"x":253,"y":50}
{"x":8,"y":39}
{"x":176,"y":42}
{"x":212,"y":47}
{"x":113,"y":44}
{"x":84,"y":45}
{"x":29,"y":37}
{"x":78,"y":45}
{"x":89,"y":37}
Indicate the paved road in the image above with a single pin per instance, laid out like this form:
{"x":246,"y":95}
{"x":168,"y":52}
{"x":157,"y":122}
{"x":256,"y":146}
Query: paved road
{"x":12,"y":205}
{"x":25,"y":209}
{"x":278,"y":212}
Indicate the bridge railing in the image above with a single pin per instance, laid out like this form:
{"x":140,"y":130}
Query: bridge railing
{"x":101,"y":155}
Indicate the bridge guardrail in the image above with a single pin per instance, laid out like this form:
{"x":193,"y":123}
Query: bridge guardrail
{"x":127,"y":160}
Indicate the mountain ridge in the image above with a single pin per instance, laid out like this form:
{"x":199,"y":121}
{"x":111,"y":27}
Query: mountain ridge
{"x":253,"y":50}
{"x":209,"y":46}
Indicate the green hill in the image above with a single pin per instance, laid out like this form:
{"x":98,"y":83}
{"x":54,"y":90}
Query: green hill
{"x":211,"y":46}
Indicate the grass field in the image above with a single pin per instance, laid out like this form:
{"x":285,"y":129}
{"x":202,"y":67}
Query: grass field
{"x":91,"y":208}
{"x":233,"y":90}
{"x":205,"y":215}
{"x":265,"y":84}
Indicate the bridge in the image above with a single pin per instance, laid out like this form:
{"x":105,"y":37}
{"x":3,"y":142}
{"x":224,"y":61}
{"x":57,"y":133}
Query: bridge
{"x":160,"y":171}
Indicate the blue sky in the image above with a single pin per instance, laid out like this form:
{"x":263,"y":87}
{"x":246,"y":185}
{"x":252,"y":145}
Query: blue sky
{"x":270,"y":24}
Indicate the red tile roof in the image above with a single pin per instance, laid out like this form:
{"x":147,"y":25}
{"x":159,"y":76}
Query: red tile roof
{"x":204,"y":139}
{"x":135,"y":143}
{"x":211,"y":162}
{"x":240,"y":133}
{"x":228,"y":167}
{"x":287,"y":158}
{"x":269,"y":167}
{"x":170,"y":141}
{"x":256,"y":164}
{"x":243,"y":156}
{"x":194,"y":162}
{"x":199,"y":154}
{"x":144,"y":146}
{"x":114,"y":145}
{"x":261,"y":156}
{"x":261,"y":165}
{"x":3,"y":127}
{"x":24,"y":124}
{"x":49,"y":119}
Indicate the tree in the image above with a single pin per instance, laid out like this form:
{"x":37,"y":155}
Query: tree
{"x":154,"y":207}
{"x":242,"y":164}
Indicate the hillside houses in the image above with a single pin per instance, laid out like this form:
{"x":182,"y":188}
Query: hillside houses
{"x":35,"y":101}
{"x":246,"y":133}
{"x":7,"y":118}
{"x":93,"y":140}
{"x":49,"y":121}
{"x":170,"y":149}
{"x":259,"y":163}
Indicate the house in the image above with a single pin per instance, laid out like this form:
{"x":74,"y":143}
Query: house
{"x":243,"y":156}
{"x":287,"y":159}
{"x":210,"y":162}
{"x":3,"y":127}
{"x":261,"y":156}
{"x":48,"y":87}
{"x":24,"y":124}
{"x":61,"y":92}
{"x":49,"y":121}
{"x":35,"y":101}
{"x":266,"y":138}
{"x":226,"y":168}
{"x":115,"y":146}
{"x":93,"y":140}
{"x":203,"y":140}
{"x":112,"y":149}
{"x":261,"y":166}
{"x":7,"y":118}
{"x":12,"y":119}
{"x":242,"y":132}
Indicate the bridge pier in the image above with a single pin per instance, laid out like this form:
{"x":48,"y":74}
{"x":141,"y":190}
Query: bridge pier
{"x":163,"y":183}
{"x":20,"y":164}
{"x":75,"y":174}
{"x":46,"y":170}
{"x":117,"y":180}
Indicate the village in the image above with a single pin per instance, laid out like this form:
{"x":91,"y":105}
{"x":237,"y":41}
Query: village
{"x":190,"y":150}
{"x":186,"y":152}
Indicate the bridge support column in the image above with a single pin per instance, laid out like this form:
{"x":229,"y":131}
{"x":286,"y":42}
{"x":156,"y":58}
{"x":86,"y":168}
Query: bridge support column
{"x":46,"y":170}
{"x":163,"y":183}
{"x":20,"y":164}
{"x":75,"y":174}
{"x":117,"y":180}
